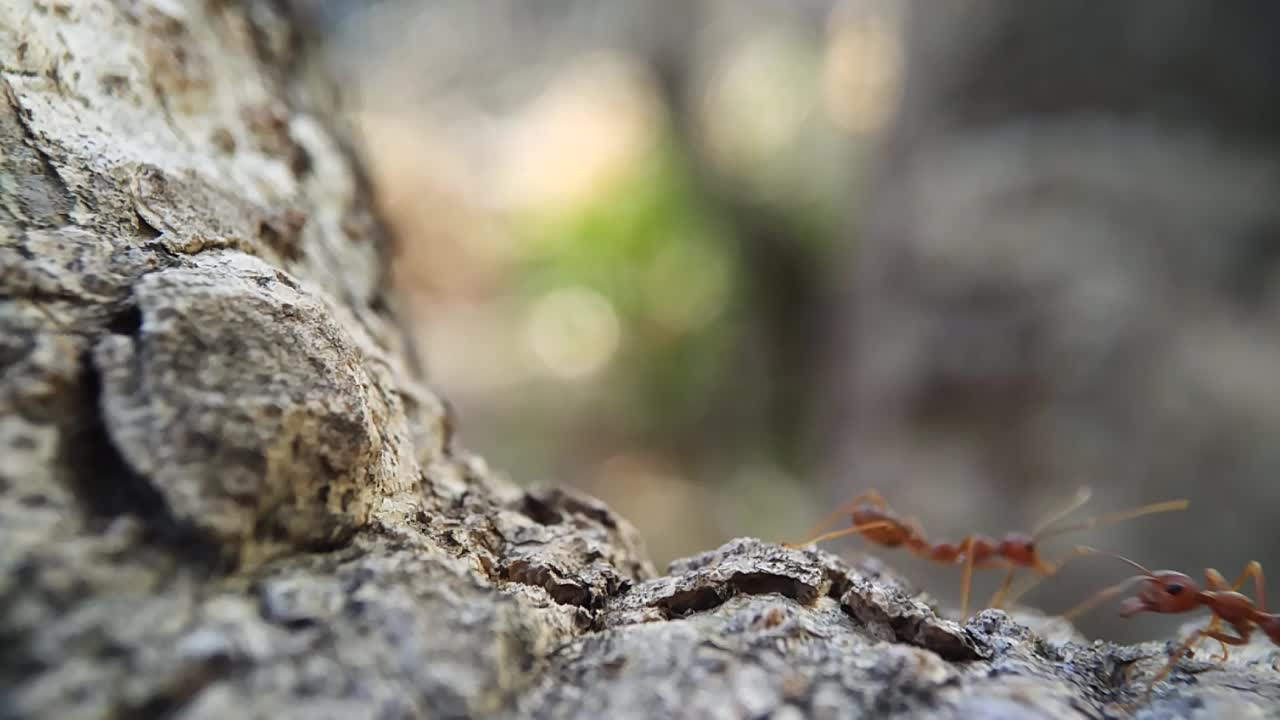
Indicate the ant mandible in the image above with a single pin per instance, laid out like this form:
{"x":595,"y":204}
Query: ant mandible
{"x":1171,"y":592}
{"x":872,"y":518}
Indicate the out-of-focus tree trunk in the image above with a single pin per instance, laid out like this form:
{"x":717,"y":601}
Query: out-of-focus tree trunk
{"x":224,"y":490}
{"x":1070,"y":275}
{"x":226,"y":493}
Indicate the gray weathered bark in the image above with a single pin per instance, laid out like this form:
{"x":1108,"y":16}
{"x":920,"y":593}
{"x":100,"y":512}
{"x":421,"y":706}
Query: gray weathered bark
{"x":225,"y":491}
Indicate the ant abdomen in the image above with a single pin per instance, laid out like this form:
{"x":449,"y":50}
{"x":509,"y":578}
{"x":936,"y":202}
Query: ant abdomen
{"x":882,"y":528}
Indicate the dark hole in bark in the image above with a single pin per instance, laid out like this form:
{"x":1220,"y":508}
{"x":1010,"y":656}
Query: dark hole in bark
{"x":691,"y":601}
{"x":765,"y":583}
{"x":126,"y":322}
{"x":541,"y":511}
{"x":108,"y":487}
{"x":147,"y":230}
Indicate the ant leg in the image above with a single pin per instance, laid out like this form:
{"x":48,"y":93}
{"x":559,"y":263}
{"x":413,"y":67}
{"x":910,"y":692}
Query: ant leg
{"x":1013,"y":598}
{"x":1217,"y":582}
{"x":1082,"y":497}
{"x":967,"y":580}
{"x":870,"y":497}
{"x":1108,"y":519}
{"x":1252,"y":570}
{"x":840,"y":533}
{"x":997,"y":600}
{"x":1259,"y":584}
{"x":1223,"y":653}
{"x":1222,"y":637}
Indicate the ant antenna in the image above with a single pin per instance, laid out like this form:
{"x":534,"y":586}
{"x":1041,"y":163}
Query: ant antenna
{"x":1104,"y":595}
{"x":1108,"y":519}
{"x":1001,"y":596}
{"x":841,"y":533}
{"x":1082,"y":497}
{"x":871,"y":496}
{"x":1086,"y":550}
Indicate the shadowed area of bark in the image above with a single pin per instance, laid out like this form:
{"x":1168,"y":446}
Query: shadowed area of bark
{"x":225,"y":490}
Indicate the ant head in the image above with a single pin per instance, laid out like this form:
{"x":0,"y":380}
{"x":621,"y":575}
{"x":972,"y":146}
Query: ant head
{"x":1165,"y":591}
{"x":1021,"y":550}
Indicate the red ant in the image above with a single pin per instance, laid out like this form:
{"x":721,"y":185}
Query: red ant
{"x":872,"y":518}
{"x":1170,"y":592}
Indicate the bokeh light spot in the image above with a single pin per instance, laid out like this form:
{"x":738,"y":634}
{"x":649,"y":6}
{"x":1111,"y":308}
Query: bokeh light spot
{"x":572,"y":331}
{"x":862,"y":71}
{"x":758,"y":102}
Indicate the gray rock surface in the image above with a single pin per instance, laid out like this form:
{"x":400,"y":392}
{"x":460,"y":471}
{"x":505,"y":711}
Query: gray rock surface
{"x":225,"y":491}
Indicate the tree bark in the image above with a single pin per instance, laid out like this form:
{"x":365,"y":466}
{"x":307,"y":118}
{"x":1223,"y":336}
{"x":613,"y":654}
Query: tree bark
{"x":226,"y":491}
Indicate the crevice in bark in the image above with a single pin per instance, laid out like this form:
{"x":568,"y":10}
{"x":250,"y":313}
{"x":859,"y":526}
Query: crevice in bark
{"x":107,"y":486}
{"x":688,"y":602}
{"x":182,"y":691}
{"x":565,"y":591}
{"x":39,"y":188}
{"x":146,"y":230}
{"x":710,"y":596}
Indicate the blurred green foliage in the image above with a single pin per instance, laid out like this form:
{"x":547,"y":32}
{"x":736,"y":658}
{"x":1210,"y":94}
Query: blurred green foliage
{"x":672,"y":272}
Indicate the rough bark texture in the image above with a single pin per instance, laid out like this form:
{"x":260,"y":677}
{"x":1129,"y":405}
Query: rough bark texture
{"x":226,"y":493}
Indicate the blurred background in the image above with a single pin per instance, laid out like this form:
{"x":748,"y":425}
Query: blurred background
{"x":727,"y":263}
